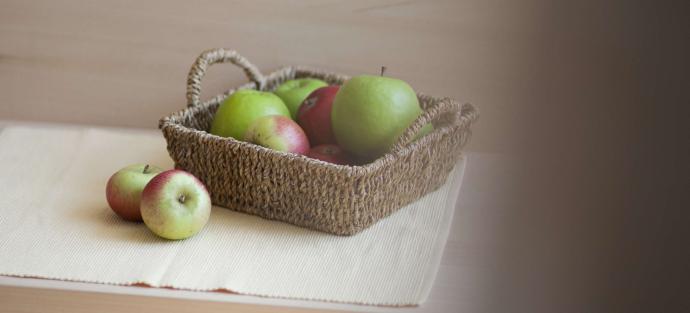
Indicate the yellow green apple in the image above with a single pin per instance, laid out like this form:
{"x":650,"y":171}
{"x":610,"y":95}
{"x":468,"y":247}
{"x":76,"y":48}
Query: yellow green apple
{"x":239,"y":110}
{"x":371,"y":112}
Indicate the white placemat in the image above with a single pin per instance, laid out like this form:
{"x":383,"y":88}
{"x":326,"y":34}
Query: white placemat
{"x":56,"y":224}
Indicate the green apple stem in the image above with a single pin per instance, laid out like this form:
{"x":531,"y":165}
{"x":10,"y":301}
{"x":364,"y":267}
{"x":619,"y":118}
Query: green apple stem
{"x":181,"y":199}
{"x":146,"y":168}
{"x":383,"y":70}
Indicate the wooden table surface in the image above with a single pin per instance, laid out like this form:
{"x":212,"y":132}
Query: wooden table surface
{"x":548,"y":76}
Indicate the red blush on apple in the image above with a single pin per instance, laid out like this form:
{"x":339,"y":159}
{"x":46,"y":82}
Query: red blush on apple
{"x":314,"y":115}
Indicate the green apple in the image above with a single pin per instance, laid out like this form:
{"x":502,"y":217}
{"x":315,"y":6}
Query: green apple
{"x":294,"y":91}
{"x":123,"y":190}
{"x":238,"y":111}
{"x":175,"y":204}
{"x":371,"y":112}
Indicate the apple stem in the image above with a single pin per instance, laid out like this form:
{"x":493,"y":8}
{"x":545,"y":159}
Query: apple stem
{"x":181,"y":199}
{"x":146,"y":168}
{"x":383,"y":70}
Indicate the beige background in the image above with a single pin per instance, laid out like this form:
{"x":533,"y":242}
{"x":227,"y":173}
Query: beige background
{"x":125,"y":63}
{"x":580,"y":96}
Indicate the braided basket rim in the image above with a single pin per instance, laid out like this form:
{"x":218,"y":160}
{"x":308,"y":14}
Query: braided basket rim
{"x":172,"y":120}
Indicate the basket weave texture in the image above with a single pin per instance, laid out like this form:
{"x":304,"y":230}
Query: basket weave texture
{"x":337,"y":199}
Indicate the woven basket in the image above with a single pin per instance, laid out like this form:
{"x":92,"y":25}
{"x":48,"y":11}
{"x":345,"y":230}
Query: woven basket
{"x":338,"y":199}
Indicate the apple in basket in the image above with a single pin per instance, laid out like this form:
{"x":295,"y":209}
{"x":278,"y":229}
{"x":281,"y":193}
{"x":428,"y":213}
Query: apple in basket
{"x":294,"y":91}
{"x":314,"y":115}
{"x":124,"y":188}
{"x":278,"y":132}
{"x":329,"y":153}
{"x":371,"y":112}
{"x":237,"y":112}
{"x":175,"y":205}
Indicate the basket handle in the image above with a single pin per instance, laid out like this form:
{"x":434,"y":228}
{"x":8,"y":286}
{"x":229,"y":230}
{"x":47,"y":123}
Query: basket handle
{"x":468,"y":115}
{"x":220,"y":55}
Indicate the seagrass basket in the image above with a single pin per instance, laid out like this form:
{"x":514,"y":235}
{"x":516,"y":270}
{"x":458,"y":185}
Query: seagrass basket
{"x":337,"y":199}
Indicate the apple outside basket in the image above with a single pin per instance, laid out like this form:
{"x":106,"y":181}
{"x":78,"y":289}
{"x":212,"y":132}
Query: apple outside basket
{"x":337,"y":199}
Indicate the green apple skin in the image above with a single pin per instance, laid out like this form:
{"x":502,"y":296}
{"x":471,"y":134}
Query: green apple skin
{"x":238,"y":111}
{"x":370,"y":113}
{"x":124,"y":188}
{"x":175,"y":205}
{"x":294,"y":91}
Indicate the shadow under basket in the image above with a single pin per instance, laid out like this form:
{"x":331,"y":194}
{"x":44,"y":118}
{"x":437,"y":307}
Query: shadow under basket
{"x":337,"y":199}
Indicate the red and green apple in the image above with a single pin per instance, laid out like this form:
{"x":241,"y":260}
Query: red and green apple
{"x":124,"y":188}
{"x":278,"y":132}
{"x":175,"y":205}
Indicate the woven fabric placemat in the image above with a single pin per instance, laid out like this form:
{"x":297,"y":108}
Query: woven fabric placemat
{"x":55,"y":223}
